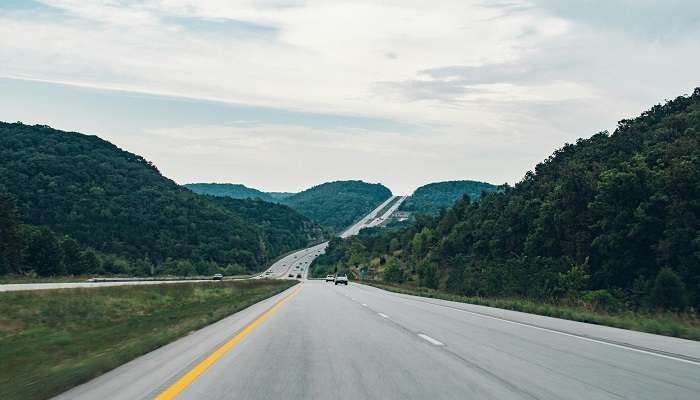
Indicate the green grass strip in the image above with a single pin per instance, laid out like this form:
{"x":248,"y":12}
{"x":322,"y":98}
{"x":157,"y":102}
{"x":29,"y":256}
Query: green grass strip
{"x":52,"y":340}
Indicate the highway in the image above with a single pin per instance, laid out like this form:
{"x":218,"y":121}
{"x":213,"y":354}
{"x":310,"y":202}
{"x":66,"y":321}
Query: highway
{"x":381,"y":218}
{"x":298,"y":262}
{"x":280,"y":269}
{"x":321,"y":341}
{"x":358,"y":342}
{"x":364,"y":222}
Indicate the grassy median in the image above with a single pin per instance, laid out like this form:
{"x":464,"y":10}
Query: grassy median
{"x":52,"y":340}
{"x":686,"y":326}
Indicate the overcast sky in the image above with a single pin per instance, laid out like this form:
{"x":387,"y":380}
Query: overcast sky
{"x":284,"y":94}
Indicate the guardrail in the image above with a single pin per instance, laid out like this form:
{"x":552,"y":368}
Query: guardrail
{"x":169,"y":278}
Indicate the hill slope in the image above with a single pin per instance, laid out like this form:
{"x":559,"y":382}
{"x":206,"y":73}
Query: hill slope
{"x":118,"y":203}
{"x":232,"y":190}
{"x":612,"y":221}
{"x":430,"y":198}
{"x":278,"y":196}
{"x":282,"y":229}
{"x":338,"y":204}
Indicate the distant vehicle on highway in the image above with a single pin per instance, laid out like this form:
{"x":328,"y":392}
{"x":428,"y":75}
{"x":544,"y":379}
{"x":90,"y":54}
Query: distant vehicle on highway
{"x":299,"y":276}
{"x":217,"y":277}
{"x":330,"y":278}
{"x":290,"y":275}
{"x":341,"y":279}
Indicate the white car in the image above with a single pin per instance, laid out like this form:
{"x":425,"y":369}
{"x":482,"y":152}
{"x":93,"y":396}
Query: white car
{"x":330,"y":278}
{"x":341,"y":279}
{"x":217,"y":277}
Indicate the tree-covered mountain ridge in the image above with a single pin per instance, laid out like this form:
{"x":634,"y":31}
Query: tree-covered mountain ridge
{"x":236,"y":191}
{"x":117,"y":203}
{"x":338,"y":204}
{"x":432,"y":197}
{"x":334,"y":205}
{"x":612,"y":221}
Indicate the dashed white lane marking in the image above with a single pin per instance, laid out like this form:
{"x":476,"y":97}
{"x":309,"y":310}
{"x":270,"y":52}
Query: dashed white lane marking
{"x":587,"y":339}
{"x":431,"y":340}
{"x":364,"y":305}
{"x":584,"y":338}
{"x":383,"y":315}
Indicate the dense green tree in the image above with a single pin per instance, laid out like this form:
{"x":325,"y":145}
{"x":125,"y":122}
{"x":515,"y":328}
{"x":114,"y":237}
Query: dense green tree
{"x":394,"y":245}
{"x":430,"y":198}
{"x":668,"y":291}
{"x":235,"y":191}
{"x":90,"y":263}
{"x":118,"y":204}
{"x":428,"y":275}
{"x":281,"y":229}
{"x":613,"y":219}
{"x":43,"y":253}
{"x":393,"y":273}
{"x":10,"y":239}
{"x":337,"y":205}
{"x":575,"y":280}
{"x":72,"y":257}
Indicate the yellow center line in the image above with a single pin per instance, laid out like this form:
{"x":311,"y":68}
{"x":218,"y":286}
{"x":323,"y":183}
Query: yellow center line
{"x":173,"y":391}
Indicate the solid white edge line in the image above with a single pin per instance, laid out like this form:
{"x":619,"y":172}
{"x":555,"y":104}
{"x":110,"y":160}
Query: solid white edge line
{"x":431,"y":340}
{"x":569,"y":334}
{"x":383,"y":315}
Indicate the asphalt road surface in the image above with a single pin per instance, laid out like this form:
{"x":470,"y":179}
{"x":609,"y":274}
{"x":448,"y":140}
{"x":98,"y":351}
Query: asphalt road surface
{"x":379,"y":219}
{"x":322,"y":341}
{"x":296,"y":265}
{"x":367,"y":220}
{"x":357,"y":342}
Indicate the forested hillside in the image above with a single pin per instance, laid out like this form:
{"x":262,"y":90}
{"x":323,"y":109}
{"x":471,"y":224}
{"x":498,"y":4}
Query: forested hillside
{"x":430,"y":198}
{"x":278,"y":196}
{"x":233,"y":190}
{"x":334,"y":205}
{"x":338,"y":204}
{"x":282,"y":228}
{"x":612,"y":221}
{"x":71,"y":188}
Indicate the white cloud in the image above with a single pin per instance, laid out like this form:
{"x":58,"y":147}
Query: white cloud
{"x":276,"y":157}
{"x":478,"y":75}
{"x":326,"y":56}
